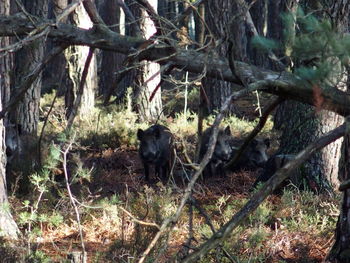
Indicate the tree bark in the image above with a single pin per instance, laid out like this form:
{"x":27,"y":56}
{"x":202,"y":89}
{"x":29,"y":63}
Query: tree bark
{"x":55,"y":75}
{"x":8,"y":227}
{"x":27,"y":112}
{"x":340,"y":252}
{"x":300,"y":124}
{"x":218,"y":90}
{"x":25,"y":116}
{"x":111,"y":62}
{"x":148,"y":76}
{"x":76,"y":57}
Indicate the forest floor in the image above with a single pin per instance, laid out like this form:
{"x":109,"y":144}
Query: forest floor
{"x":293,"y":227}
{"x":121,"y":175}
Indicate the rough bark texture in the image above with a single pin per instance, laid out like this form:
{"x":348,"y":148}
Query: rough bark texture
{"x":8,"y":227}
{"x":301,"y":124}
{"x":340,"y":252}
{"x":27,"y":113}
{"x":218,"y":90}
{"x":76,"y":58}
{"x":258,"y":13}
{"x":55,"y":75}
{"x":148,"y":76}
{"x":199,"y":24}
{"x":111,"y":62}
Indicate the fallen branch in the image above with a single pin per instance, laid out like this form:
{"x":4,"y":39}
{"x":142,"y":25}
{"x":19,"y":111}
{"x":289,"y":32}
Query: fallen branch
{"x":256,"y":130}
{"x":140,"y":222}
{"x":280,"y":84}
{"x":266,"y":190}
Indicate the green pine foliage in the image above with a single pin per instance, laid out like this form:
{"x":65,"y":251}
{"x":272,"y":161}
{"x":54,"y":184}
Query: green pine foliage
{"x":317,"y":50}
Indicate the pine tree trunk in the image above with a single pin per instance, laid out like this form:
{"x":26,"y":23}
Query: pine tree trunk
{"x":301,"y":124}
{"x":27,"y":113}
{"x":199,"y":24}
{"x":148,"y":77}
{"x":76,"y":58}
{"x":8,"y":227}
{"x":218,"y":90}
{"x":111,"y":62}
{"x":340,"y":252}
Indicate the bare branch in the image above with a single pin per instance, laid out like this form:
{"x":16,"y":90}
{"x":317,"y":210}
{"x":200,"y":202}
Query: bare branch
{"x":255,"y":132}
{"x":140,"y":222}
{"x":92,"y":12}
{"x":129,"y":16}
{"x":280,"y":84}
{"x":187,"y":12}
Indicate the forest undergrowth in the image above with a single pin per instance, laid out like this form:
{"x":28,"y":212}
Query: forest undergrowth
{"x":119,"y":213}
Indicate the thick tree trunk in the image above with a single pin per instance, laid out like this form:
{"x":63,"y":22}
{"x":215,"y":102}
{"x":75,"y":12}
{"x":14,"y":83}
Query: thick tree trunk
{"x":340,"y":252}
{"x":8,"y":227}
{"x":148,"y":77}
{"x":218,"y":90}
{"x":111,"y":62}
{"x":24,"y":118}
{"x":27,"y":113}
{"x":76,"y":58}
{"x":301,"y":124}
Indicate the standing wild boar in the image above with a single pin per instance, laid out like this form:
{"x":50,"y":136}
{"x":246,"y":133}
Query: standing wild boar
{"x":156,"y":148}
{"x":221,"y":154}
{"x":253,"y":157}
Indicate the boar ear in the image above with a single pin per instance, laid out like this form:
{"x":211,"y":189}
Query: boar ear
{"x":267,"y":142}
{"x":139,"y":134}
{"x":227,"y":130}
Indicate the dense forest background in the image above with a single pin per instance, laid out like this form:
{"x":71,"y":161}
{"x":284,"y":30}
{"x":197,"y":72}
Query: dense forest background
{"x":80,"y":79}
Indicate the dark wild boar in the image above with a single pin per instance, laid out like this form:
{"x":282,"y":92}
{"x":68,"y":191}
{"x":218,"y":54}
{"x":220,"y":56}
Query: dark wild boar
{"x":156,"y":148}
{"x":275,"y":163}
{"x":255,"y":156}
{"x":221,"y":154}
